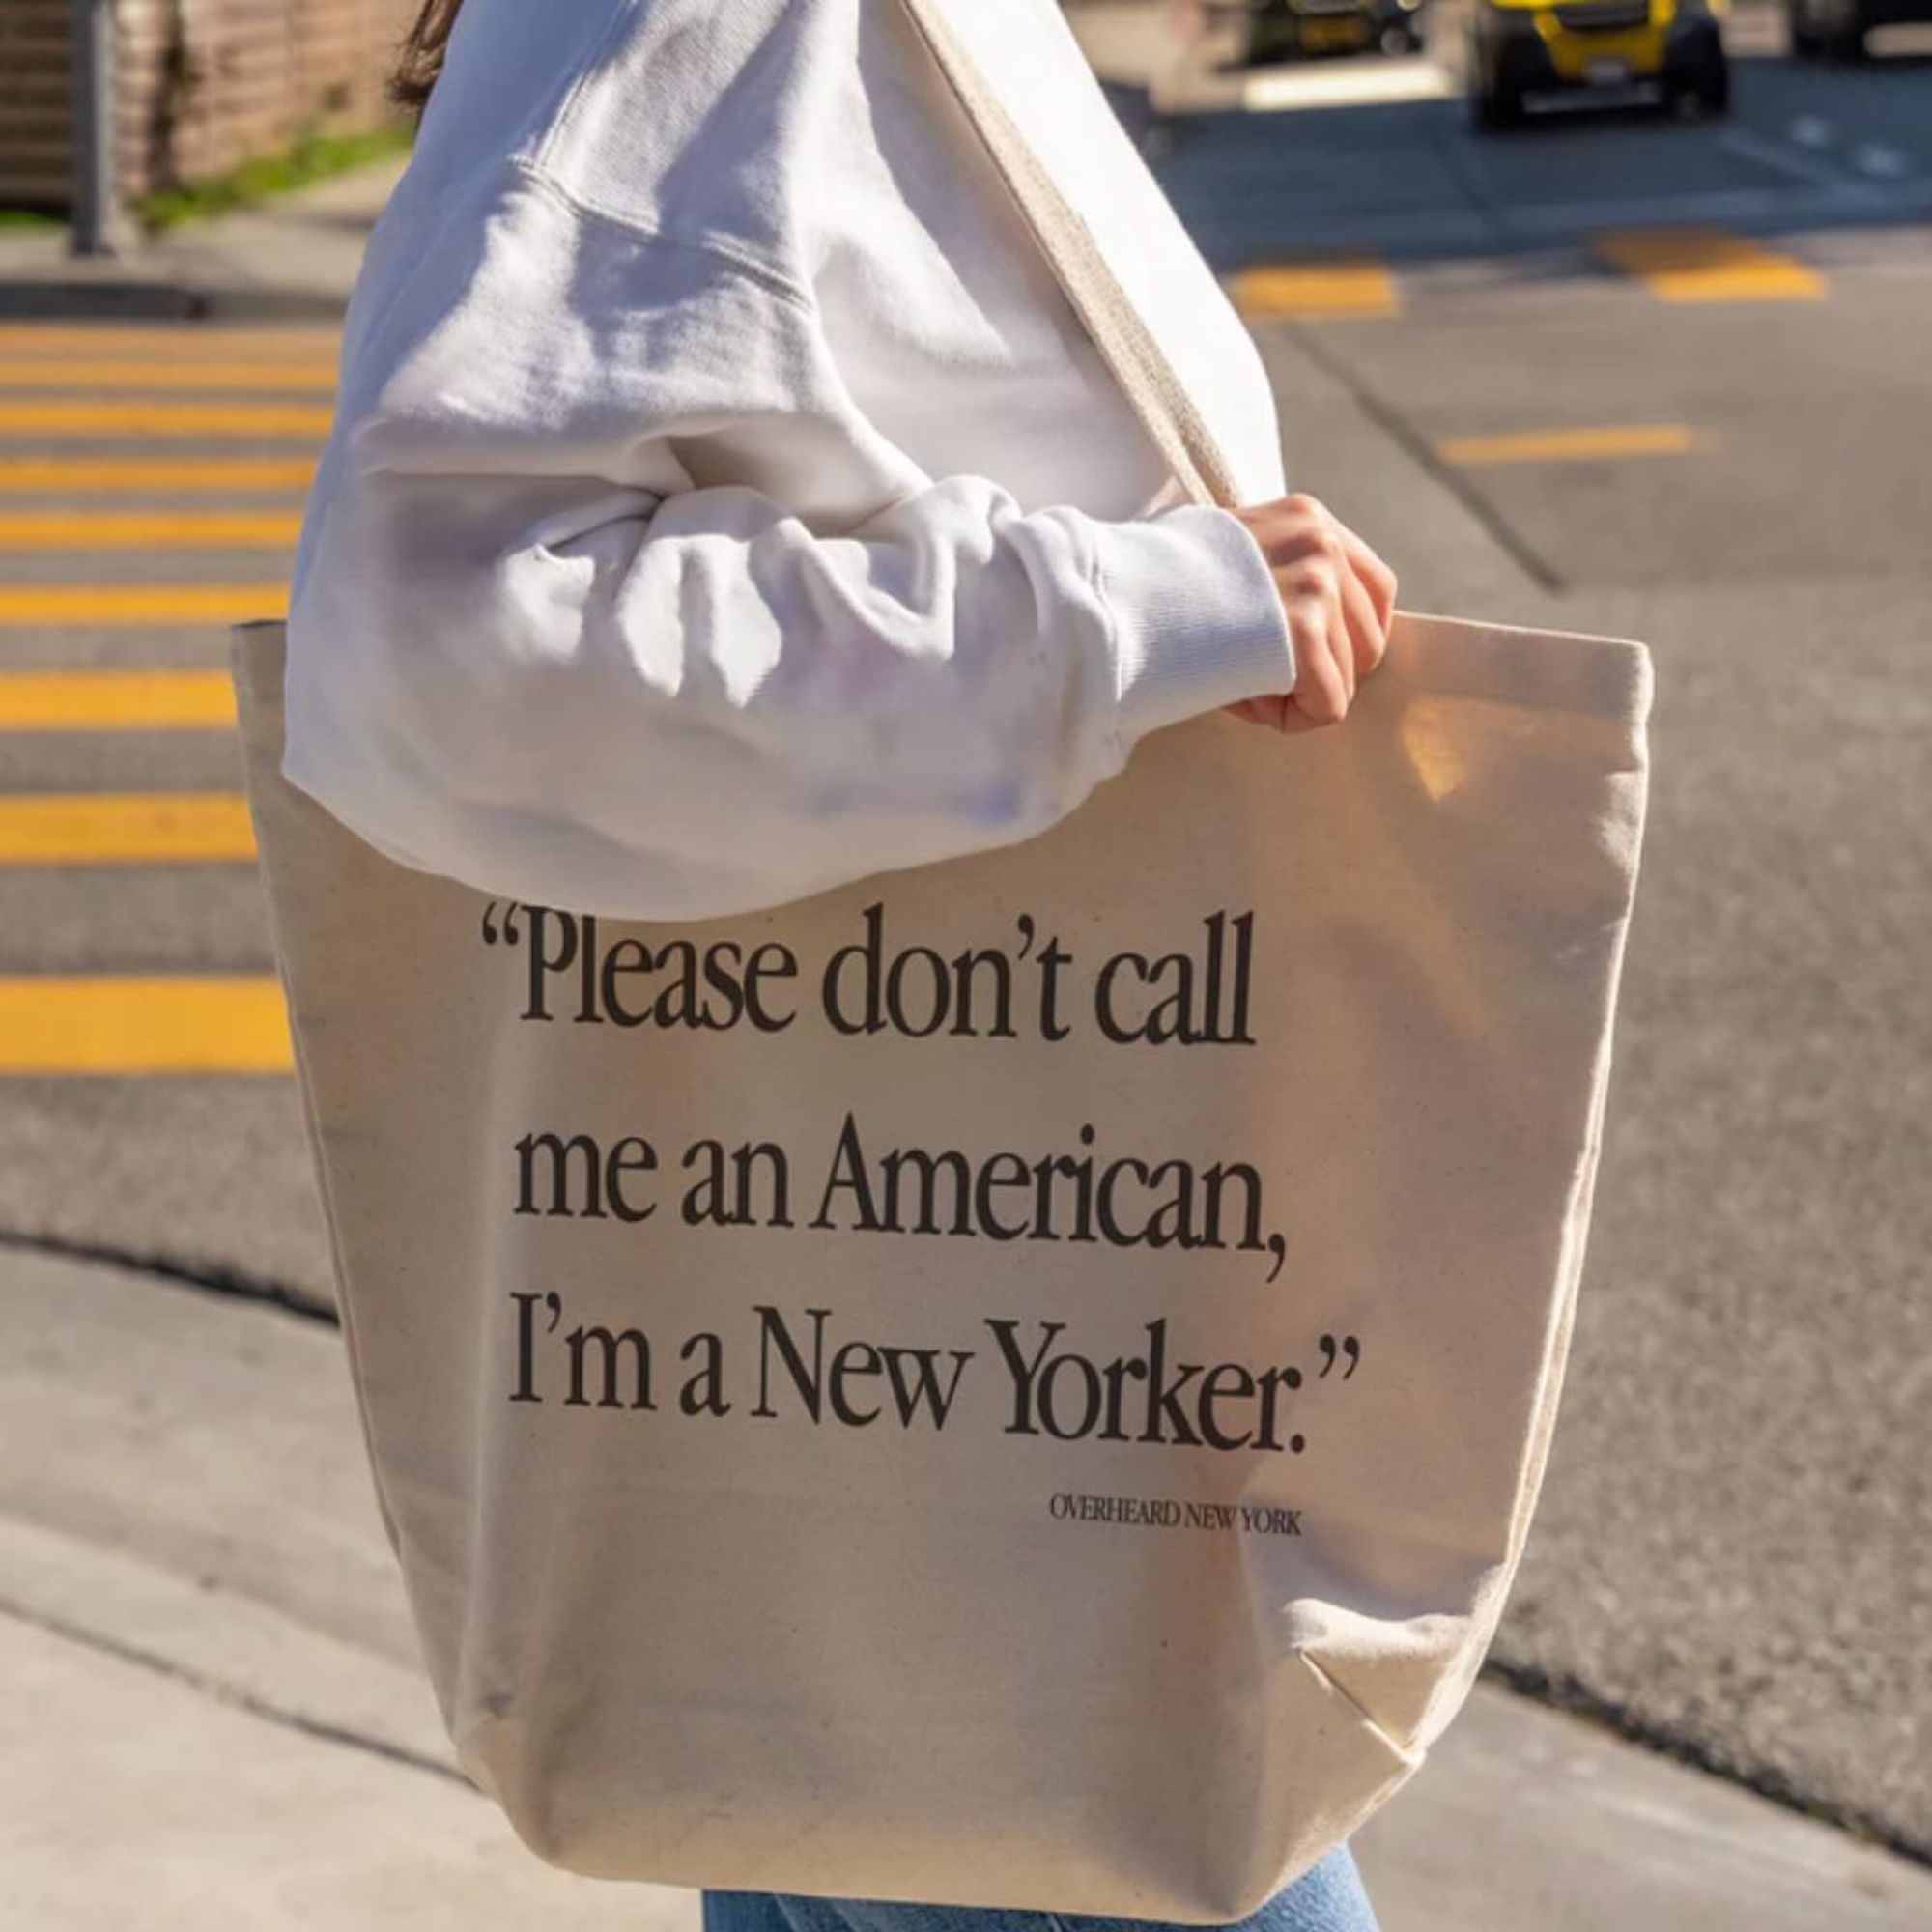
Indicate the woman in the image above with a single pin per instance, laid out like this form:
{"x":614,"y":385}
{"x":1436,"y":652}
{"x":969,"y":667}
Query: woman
{"x":725,"y":504}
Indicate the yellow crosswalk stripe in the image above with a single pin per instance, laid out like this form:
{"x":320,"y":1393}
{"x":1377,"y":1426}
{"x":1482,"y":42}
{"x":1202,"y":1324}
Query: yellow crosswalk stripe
{"x":1706,"y":265}
{"x":149,"y":530}
{"x":188,"y":419}
{"x":116,"y":700}
{"x":124,"y":829}
{"x":189,"y":341}
{"x":1343,"y":286}
{"x":54,"y":476}
{"x":15,"y":374}
{"x":121,"y":605}
{"x":116,"y":1025}
{"x":65,"y":1027}
{"x":1569,"y":445}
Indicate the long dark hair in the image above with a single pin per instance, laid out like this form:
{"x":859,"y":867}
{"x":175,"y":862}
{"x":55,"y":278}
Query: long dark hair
{"x":420,"y":60}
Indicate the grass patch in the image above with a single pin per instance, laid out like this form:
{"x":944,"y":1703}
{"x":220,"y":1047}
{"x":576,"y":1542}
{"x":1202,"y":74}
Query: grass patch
{"x":312,"y":157}
{"x":27,"y":217}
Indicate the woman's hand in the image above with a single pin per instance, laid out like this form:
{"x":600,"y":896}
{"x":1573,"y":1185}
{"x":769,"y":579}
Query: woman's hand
{"x":1340,"y":598}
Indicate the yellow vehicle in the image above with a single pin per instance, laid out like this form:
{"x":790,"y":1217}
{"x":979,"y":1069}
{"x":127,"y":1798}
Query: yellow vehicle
{"x":1671,"y":50}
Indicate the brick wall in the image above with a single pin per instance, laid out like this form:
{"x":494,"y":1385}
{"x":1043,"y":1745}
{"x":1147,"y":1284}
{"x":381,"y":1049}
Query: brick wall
{"x":201,"y":84}
{"x":33,"y":101}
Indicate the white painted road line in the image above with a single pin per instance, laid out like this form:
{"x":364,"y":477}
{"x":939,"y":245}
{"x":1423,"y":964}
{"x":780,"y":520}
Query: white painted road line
{"x":1779,"y":157}
{"x":1887,"y":163}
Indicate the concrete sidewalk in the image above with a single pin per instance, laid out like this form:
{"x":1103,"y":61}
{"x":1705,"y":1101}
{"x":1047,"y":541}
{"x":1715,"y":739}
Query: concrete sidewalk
{"x":292,"y":259}
{"x":216,"y":1716}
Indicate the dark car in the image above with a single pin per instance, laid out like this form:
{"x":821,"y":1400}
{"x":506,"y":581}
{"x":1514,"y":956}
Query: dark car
{"x":1292,"y":29}
{"x":1836,"y":29}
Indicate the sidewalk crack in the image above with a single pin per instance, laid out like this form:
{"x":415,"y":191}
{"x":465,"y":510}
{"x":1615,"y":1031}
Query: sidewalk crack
{"x":1393,"y":424}
{"x":227,"y":1693}
{"x":209,"y":1277}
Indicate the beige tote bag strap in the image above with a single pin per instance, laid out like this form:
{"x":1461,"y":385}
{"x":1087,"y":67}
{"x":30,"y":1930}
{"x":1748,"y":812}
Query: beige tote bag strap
{"x":1147,"y":378}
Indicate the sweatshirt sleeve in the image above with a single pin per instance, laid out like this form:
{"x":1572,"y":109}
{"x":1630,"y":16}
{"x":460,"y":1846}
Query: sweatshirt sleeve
{"x":544,"y":643}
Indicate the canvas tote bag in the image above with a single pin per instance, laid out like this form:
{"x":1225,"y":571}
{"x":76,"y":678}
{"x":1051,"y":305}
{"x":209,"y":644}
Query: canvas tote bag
{"x":1017,"y":1384}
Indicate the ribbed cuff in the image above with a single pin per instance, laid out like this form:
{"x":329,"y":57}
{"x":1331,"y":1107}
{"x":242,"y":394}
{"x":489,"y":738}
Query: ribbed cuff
{"x":1198,"y":621}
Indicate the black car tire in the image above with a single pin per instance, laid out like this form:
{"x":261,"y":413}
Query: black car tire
{"x":1841,"y":42}
{"x":1706,"y":90}
{"x":1697,"y":73}
{"x":1710,"y":94}
{"x":1497,"y":109}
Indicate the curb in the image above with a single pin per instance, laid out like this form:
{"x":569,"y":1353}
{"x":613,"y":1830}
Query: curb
{"x":136,"y":300}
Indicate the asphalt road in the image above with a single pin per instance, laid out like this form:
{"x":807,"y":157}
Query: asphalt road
{"x":1722,"y":443}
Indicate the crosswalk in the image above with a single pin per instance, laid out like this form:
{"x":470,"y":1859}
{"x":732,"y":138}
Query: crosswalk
{"x":1350,"y":286}
{"x":124,"y":828}
{"x":148,"y":529}
{"x":1667,"y":264}
{"x":1707,"y":265}
{"x":116,"y":700}
{"x":129,"y":1025}
{"x":65,"y":476}
{"x":1609,"y":442}
{"x":150,"y":486}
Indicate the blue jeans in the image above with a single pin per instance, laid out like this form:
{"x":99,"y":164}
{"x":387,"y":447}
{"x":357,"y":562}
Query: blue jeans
{"x":1329,"y":1898}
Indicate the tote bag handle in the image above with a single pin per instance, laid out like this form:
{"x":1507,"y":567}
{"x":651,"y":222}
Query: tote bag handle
{"x":1138,"y":364}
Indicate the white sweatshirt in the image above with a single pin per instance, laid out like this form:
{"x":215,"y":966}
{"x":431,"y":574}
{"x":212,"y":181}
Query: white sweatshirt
{"x":723,"y":501}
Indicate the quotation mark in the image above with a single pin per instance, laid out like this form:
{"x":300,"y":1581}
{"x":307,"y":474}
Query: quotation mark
{"x":1331,"y":1353}
{"x":503,"y":927}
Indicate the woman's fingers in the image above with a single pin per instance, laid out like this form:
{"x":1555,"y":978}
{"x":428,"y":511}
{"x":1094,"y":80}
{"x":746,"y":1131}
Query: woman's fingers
{"x":1367,"y":634}
{"x":1376,"y":578}
{"x":1338,"y":600}
{"x":1325,"y":675}
{"x":1266,"y":710}
{"x":1294,"y":720}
